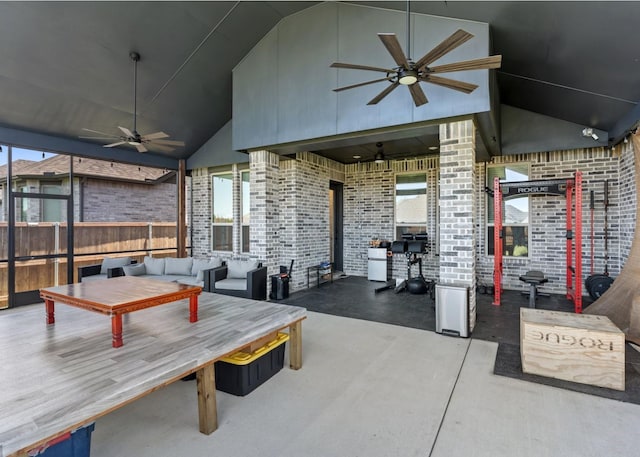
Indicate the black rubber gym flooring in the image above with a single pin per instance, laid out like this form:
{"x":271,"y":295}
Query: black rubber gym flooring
{"x":355,"y":297}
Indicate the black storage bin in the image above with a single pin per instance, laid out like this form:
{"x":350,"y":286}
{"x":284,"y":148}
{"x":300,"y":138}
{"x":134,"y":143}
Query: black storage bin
{"x":241,"y":373}
{"x":279,"y":287}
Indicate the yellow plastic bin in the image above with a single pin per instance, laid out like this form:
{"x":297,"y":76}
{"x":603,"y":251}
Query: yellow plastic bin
{"x":242,"y":372}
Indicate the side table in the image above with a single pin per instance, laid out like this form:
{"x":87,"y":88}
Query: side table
{"x":320,"y":270}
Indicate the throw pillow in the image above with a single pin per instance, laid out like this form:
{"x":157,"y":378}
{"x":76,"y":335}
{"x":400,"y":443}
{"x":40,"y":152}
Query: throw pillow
{"x":238,"y":269}
{"x":203,"y":264}
{"x":113,"y":262}
{"x":154,"y":266}
{"x":135,"y":270}
{"x":181,"y":266}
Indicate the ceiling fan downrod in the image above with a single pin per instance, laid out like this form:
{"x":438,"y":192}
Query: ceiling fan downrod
{"x":135,"y":57}
{"x":408,"y":31}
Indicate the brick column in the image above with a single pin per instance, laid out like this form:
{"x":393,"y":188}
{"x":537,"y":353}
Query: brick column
{"x":265,"y":212}
{"x":201,"y":213}
{"x":457,"y":211}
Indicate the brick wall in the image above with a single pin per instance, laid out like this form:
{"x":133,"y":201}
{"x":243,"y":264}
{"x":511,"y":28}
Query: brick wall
{"x":458,"y":229}
{"x":201,"y":213}
{"x":304,"y":214}
{"x":369,"y":208}
{"x":290,"y":219}
{"x":112,"y":201}
{"x":626,"y":215}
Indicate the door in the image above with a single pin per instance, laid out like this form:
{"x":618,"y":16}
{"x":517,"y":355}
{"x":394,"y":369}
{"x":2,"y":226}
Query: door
{"x":336,"y":224}
{"x":40,"y":229}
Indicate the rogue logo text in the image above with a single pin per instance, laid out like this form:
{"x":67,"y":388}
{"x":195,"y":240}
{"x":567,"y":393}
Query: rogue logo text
{"x":570,"y":340}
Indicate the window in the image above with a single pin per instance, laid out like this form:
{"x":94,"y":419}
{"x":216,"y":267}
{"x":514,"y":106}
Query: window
{"x":52,"y":210}
{"x":515,"y":212}
{"x":245,"y":211}
{"x":411,"y":204}
{"x":222,"y":211}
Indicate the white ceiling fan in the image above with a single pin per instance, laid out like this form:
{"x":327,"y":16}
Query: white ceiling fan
{"x":132,"y":137}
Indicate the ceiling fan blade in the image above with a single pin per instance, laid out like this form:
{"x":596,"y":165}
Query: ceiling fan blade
{"x":140,"y":147}
{"x":449,"y":44}
{"x":155,"y":136}
{"x":168,"y":142}
{"x":126,"y":131}
{"x":161,"y":148}
{"x":114,"y":144}
{"x":419,"y":98}
{"x":462,"y":86}
{"x":383,"y":94}
{"x":363,"y":84}
{"x":484,"y":63}
{"x":352,"y":66}
{"x":392,"y":44}
{"x":99,"y":133}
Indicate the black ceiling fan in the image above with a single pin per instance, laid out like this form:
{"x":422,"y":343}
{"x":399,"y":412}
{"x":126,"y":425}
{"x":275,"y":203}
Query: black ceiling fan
{"x":132,"y":137}
{"x":409,"y":73}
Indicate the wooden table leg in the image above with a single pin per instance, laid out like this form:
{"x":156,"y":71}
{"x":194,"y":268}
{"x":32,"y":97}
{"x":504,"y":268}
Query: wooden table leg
{"x":295,"y":348}
{"x":116,"y":330}
{"x":207,"y":410}
{"x":193,"y":308}
{"x":51,"y":319}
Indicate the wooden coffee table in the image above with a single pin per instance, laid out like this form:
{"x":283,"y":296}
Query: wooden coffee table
{"x":118,"y":296}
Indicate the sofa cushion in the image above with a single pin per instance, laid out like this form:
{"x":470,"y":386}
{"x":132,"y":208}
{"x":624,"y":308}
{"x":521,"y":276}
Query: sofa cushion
{"x":238,"y":269}
{"x":154,"y":266}
{"x":135,"y":270}
{"x":113,"y":262}
{"x":178,"y":266}
{"x":204,"y":264}
{"x":190,"y":281}
{"x":93,"y":278}
{"x":231,"y":284}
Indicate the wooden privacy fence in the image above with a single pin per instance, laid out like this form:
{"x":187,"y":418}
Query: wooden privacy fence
{"x":92,"y":242}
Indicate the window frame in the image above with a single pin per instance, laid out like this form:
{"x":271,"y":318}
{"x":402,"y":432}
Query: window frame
{"x":396,"y":225}
{"x":215,"y":224}
{"x":489,"y":206}
{"x":244,"y":241}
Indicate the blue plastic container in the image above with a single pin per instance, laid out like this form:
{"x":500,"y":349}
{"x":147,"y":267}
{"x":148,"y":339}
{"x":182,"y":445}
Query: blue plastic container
{"x":78,"y":444}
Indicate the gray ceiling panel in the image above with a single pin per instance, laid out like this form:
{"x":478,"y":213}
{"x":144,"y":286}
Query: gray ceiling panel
{"x":65,"y":65}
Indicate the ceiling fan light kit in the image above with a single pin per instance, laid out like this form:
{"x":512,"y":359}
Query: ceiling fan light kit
{"x":132,"y":137}
{"x":379,"y":157}
{"x":410,"y":74}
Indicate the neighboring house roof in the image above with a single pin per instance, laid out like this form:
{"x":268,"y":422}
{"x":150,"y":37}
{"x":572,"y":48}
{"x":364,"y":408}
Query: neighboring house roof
{"x":411,"y":210}
{"x":59,"y":165}
{"x":514,"y":215}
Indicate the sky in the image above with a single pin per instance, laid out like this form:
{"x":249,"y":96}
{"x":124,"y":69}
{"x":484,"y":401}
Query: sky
{"x":18,"y":153}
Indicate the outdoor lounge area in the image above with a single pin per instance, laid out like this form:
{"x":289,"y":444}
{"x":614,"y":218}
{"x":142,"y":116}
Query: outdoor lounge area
{"x":319,"y":228}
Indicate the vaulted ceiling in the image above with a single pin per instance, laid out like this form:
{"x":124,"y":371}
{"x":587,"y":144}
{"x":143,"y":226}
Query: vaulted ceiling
{"x":65,"y":66}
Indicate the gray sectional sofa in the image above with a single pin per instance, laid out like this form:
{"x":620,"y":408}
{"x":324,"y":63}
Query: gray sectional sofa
{"x":236,"y":277}
{"x":185,"y":270}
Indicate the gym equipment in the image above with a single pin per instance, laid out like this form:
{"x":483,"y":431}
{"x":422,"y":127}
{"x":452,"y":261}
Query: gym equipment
{"x":571,"y":188}
{"x":619,"y":303}
{"x":412,"y":246}
{"x":534,"y":278}
{"x":418,"y":284}
{"x":597,"y":284}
